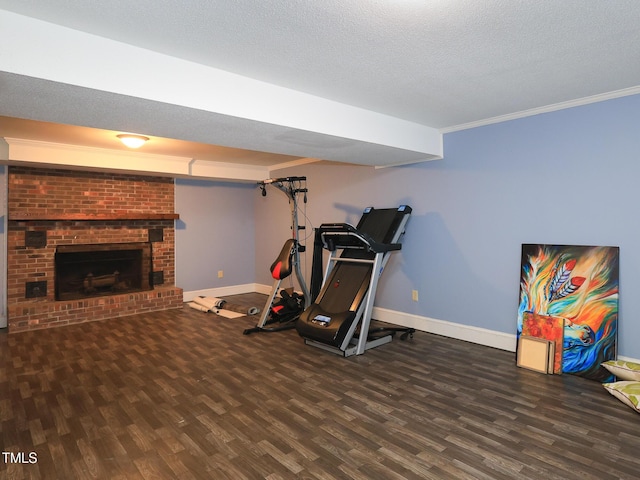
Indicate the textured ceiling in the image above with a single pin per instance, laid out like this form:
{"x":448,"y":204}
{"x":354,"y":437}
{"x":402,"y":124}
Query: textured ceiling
{"x":440,"y":64}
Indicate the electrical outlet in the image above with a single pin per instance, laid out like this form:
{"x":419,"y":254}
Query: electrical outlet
{"x":220,"y":273}
{"x":414,"y":295}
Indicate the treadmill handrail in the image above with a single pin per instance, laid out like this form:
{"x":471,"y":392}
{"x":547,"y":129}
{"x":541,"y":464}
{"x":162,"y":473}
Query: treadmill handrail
{"x":343,"y":232}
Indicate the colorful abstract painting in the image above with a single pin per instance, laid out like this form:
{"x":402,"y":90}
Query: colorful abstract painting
{"x":576,"y":286}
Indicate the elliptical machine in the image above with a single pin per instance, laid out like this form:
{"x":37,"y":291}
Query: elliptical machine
{"x":283,"y":313}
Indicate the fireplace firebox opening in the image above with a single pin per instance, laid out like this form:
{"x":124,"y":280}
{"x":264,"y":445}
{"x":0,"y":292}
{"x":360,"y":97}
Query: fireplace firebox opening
{"x":92,"y":270}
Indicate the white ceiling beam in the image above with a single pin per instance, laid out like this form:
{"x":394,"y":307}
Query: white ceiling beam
{"x":41,"y":50}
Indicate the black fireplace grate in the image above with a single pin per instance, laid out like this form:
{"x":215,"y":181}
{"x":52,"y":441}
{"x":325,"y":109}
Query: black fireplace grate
{"x":83,"y":271}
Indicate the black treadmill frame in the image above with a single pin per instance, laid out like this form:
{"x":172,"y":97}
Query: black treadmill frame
{"x":357,"y":245}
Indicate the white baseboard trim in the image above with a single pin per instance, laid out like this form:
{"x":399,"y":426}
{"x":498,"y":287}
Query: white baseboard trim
{"x":629,"y":359}
{"x":480,"y":336}
{"x":264,"y":289}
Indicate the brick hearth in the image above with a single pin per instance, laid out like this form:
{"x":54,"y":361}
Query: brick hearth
{"x":51,"y":207}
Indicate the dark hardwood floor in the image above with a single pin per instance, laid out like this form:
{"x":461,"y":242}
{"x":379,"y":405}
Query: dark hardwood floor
{"x":185,"y":395}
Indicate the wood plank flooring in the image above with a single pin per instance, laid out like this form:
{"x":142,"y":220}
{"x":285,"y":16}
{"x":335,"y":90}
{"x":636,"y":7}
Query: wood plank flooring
{"x":184,"y":395}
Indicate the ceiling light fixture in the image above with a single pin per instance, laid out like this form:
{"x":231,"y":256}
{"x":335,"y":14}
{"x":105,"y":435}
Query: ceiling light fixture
{"x":133,"y":141}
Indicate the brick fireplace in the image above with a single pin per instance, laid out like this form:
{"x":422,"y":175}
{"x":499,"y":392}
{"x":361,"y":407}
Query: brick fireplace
{"x":53,"y":213}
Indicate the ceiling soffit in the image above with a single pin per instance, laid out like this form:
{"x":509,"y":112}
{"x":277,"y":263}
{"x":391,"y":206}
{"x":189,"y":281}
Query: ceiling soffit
{"x":164,"y":96}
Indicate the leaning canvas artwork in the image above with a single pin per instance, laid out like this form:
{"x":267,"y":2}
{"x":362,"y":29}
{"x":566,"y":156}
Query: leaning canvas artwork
{"x":547,"y":327}
{"x":569,"y":295}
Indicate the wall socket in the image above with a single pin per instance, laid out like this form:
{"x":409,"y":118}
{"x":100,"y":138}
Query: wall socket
{"x":414,"y":295}
{"x":220,"y":273}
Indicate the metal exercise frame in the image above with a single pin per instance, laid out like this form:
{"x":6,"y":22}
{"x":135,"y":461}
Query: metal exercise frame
{"x":291,"y":187}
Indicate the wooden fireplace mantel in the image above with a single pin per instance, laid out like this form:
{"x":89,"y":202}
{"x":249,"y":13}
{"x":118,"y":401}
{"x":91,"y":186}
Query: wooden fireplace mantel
{"x":25,"y":216}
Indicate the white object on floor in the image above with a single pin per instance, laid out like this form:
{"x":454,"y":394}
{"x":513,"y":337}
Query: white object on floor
{"x":209,"y":302}
{"x":208,"y":305}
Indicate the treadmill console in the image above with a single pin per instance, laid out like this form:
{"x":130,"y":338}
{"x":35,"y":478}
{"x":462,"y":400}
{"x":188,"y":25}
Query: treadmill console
{"x":321,"y":320}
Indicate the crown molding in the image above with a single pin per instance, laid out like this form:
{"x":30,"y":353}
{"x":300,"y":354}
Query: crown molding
{"x":546,"y":109}
{"x":16,"y":151}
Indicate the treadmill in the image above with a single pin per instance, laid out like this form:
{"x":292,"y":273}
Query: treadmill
{"x":339,"y":319}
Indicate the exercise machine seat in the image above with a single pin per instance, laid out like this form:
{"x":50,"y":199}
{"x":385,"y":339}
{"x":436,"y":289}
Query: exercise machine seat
{"x":283,"y":266}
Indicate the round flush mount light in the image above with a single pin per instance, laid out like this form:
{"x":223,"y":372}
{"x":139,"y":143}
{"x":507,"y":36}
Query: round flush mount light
{"x":133,"y":141}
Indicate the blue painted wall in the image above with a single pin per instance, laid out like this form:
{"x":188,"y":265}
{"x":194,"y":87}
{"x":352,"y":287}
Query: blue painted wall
{"x":566,"y":177}
{"x":215,"y":232}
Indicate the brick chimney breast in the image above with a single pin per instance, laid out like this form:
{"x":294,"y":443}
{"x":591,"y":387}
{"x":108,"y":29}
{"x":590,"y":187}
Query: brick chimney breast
{"x":53,"y":207}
